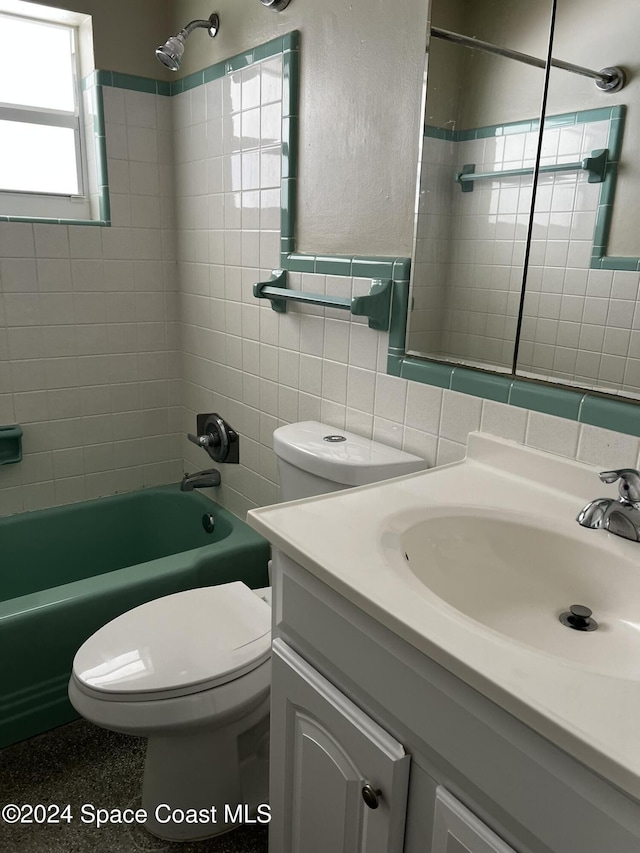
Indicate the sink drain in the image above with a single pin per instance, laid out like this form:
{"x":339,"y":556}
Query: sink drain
{"x":579,"y":618}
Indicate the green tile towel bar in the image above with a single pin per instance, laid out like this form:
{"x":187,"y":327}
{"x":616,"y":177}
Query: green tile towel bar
{"x":596,"y":166}
{"x":10,"y":444}
{"x":376,"y":305}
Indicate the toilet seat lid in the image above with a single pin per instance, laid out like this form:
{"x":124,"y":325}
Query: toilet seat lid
{"x":180,"y":644}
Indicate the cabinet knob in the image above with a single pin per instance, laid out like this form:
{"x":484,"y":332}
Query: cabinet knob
{"x":371,"y":796}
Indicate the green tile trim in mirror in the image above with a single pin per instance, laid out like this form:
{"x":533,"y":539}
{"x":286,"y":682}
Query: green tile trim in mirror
{"x":591,"y":408}
{"x":615,"y":115}
{"x":599,"y":257}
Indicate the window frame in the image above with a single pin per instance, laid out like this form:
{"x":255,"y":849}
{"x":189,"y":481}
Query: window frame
{"x":35,"y":204}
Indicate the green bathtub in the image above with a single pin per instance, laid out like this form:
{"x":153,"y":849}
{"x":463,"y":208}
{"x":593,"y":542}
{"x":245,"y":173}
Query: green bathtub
{"x":64,"y":572}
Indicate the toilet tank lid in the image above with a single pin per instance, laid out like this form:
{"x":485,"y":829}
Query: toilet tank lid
{"x":341,"y":456}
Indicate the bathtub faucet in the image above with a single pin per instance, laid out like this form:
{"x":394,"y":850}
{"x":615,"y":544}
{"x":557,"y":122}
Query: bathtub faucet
{"x":200,"y":480}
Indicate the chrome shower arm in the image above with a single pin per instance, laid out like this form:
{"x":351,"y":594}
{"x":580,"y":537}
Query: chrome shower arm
{"x":212,"y":24}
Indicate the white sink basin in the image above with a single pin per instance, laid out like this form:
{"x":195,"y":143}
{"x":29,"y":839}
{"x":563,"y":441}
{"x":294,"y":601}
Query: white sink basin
{"x":516,"y":578}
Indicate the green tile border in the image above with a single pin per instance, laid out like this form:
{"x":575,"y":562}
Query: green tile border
{"x":523,"y":126}
{"x":594,"y":408}
{"x":432,"y":132}
{"x":590,"y":408}
{"x":545,"y":398}
{"x":619,"y":415}
{"x":599,"y":257}
{"x":479,"y":384}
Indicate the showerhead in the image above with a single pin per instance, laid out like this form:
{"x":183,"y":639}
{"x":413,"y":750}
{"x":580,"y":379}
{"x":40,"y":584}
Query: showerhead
{"x":170,"y":53}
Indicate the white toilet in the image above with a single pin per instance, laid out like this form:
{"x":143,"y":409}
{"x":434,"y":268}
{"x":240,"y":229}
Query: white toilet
{"x":191,"y":671}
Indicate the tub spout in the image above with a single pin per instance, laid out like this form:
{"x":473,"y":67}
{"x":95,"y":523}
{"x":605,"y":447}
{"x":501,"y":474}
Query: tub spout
{"x":200,"y":480}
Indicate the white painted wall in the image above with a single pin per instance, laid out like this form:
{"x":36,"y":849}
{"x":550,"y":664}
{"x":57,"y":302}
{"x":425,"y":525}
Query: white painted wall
{"x":499,"y":89}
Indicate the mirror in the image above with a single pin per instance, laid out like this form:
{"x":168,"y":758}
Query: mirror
{"x":572,"y":310}
{"x":481,"y":116}
{"x":581,"y":323}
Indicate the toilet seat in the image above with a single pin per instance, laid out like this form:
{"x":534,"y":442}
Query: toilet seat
{"x":184,"y":643}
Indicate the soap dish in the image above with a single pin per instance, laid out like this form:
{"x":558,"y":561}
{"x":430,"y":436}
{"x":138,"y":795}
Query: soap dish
{"x":10,"y":444}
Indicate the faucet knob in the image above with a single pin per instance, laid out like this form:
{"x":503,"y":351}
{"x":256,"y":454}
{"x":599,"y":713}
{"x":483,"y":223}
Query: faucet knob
{"x":629,"y":487}
{"x":206,"y":440}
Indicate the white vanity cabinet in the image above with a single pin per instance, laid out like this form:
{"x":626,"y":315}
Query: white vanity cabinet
{"x":352,"y":701}
{"x":338,"y":780}
{"x":457,"y":830}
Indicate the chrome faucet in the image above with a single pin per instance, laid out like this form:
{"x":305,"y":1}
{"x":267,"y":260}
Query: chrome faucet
{"x":621,"y":516}
{"x":200,"y":480}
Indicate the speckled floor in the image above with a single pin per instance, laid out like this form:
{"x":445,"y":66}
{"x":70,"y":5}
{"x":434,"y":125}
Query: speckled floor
{"x":81,"y":763}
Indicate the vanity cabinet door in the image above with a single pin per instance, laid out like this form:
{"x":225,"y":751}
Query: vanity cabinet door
{"x":457,"y":830}
{"x":324,"y":751}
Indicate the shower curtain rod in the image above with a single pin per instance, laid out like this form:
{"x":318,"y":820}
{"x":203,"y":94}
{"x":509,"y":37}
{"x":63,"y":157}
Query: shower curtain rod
{"x":608,"y":79}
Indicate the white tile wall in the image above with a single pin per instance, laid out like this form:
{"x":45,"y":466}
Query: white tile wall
{"x":469,"y":252}
{"x":89,"y":361}
{"x":580,"y":323}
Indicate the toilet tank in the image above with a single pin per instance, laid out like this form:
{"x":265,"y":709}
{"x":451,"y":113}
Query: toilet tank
{"x":315,"y":459}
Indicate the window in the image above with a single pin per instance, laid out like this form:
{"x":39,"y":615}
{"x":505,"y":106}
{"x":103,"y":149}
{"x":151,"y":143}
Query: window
{"x":42,"y":172}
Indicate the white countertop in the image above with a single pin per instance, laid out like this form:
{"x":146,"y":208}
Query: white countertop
{"x":348,"y":540}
